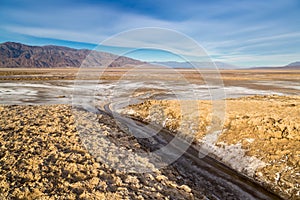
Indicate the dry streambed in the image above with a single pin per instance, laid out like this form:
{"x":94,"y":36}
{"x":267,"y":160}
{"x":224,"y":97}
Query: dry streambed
{"x":260,"y":137}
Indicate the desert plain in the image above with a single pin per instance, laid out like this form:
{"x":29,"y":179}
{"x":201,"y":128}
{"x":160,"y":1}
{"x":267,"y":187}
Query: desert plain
{"x":43,"y":154}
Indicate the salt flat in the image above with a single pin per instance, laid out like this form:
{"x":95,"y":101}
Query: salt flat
{"x":40,"y":91}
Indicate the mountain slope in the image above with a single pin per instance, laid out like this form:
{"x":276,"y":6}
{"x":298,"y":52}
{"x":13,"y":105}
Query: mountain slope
{"x":19,"y":55}
{"x":291,"y":66}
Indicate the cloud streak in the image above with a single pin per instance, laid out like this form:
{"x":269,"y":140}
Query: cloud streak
{"x":240,"y":32}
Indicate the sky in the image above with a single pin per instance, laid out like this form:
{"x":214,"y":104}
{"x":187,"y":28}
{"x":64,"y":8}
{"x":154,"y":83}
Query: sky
{"x":242,"y":33}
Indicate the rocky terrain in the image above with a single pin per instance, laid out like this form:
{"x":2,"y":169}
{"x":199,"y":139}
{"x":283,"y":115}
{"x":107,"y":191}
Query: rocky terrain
{"x":19,"y":55}
{"x":42,"y":156}
{"x":260,"y":137}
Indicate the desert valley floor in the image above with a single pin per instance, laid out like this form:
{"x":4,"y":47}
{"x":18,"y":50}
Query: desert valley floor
{"x":50,"y":148}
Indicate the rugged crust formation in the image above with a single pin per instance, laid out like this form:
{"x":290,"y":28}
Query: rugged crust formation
{"x":42,"y":156}
{"x":260,"y":138}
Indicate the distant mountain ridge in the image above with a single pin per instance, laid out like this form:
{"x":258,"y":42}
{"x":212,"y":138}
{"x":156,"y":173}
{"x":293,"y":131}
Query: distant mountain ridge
{"x":220,"y":65}
{"x":193,"y":64}
{"x":20,"y":55}
{"x":294,"y":64}
{"x":291,"y":66}
{"x":16,"y":55}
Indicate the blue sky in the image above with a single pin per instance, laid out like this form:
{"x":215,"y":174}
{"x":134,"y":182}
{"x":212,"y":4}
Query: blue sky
{"x":243,"y":33}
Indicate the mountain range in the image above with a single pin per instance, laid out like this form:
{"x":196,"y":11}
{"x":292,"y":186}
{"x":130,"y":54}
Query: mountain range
{"x":174,"y":64}
{"x":220,"y":65}
{"x":17,"y":55}
{"x":291,"y":66}
{"x":20,"y":55}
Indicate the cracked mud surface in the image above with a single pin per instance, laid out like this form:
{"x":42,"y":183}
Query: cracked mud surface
{"x":43,"y":157}
{"x":260,"y":138}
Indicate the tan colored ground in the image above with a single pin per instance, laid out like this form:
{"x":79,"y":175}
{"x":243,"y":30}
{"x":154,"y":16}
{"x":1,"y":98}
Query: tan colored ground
{"x":37,"y":143}
{"x":228,"y":76}
{"x":43,"y":157}
{"x":267,"y":128}
{"x":241,"y":78}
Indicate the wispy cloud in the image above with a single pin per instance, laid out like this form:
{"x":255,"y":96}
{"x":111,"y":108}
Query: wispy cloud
{"x":240,"y":32}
